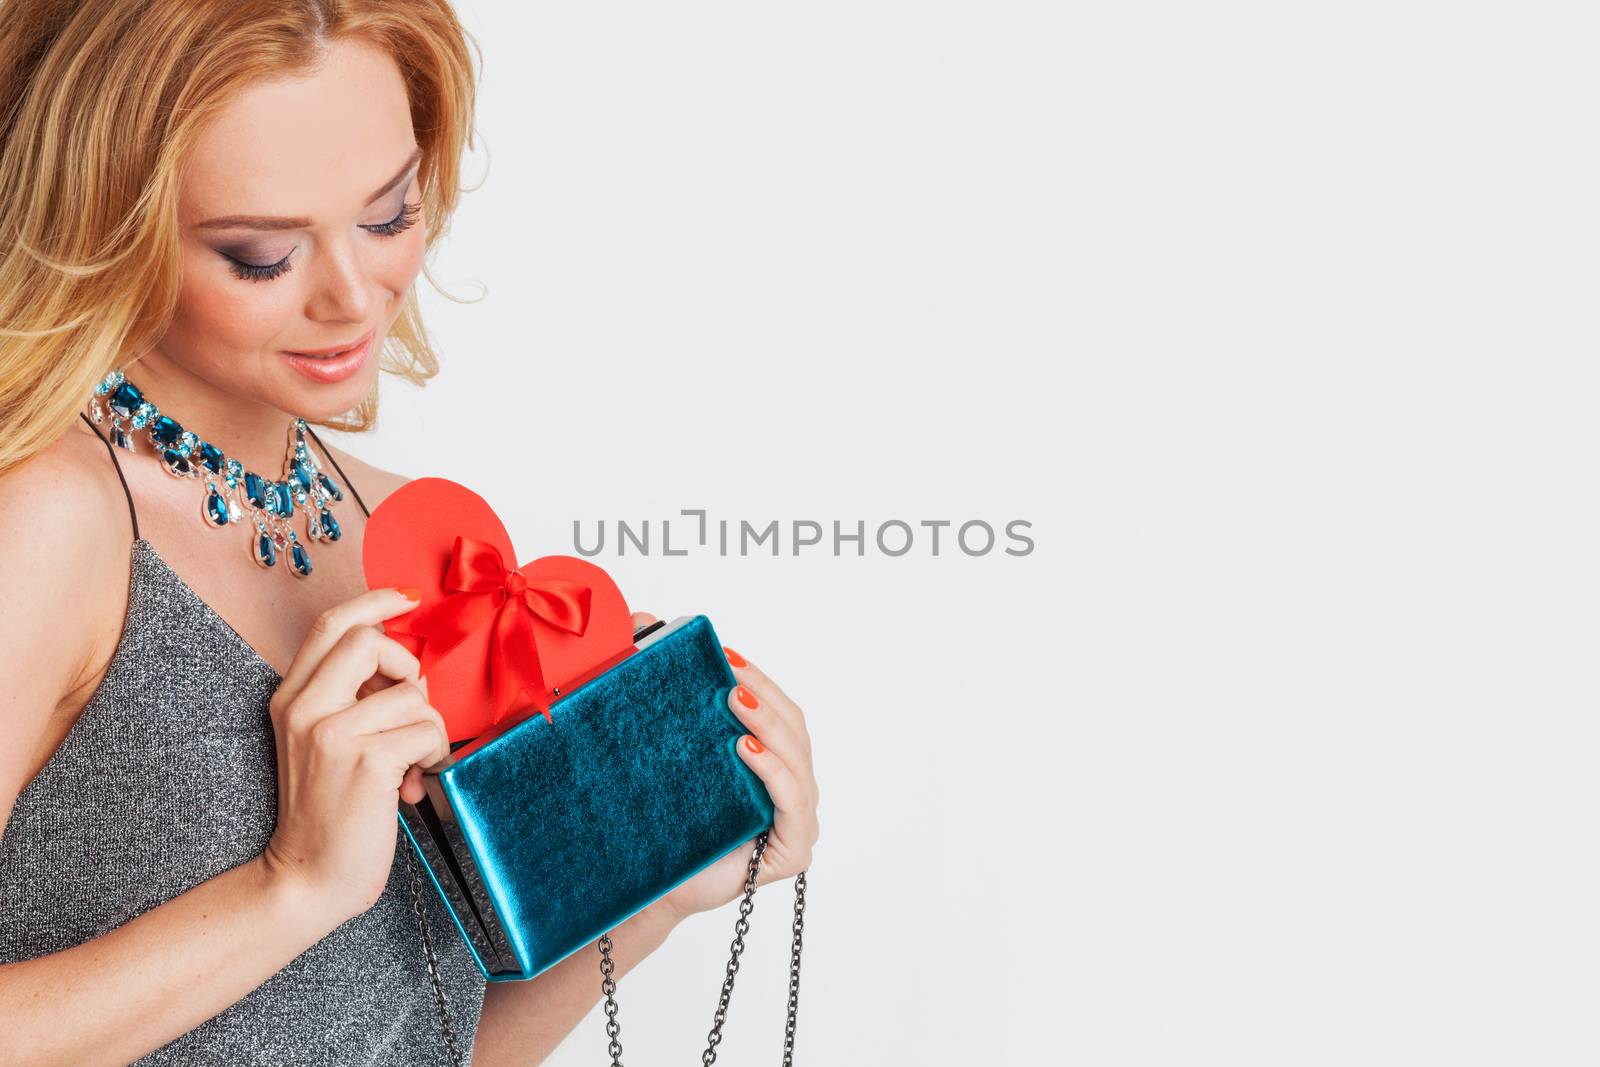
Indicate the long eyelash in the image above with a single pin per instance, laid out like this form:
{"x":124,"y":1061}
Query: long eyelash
{"x":409,"y":214}
{"x":250,"y":272}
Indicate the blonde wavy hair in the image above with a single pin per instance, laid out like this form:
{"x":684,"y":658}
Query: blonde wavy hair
{"x":101,"y":103}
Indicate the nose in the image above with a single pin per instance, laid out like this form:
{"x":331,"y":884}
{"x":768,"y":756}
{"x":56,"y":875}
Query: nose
{"x":344,"y":289}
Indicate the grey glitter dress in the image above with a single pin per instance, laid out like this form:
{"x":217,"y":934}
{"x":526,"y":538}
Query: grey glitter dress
{"x":168,"y":778}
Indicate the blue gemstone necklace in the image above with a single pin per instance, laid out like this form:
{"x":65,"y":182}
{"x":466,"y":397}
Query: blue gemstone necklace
{"x":232,"y":493}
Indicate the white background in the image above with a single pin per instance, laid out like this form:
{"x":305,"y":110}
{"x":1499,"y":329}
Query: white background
{"x":1276,"y":320}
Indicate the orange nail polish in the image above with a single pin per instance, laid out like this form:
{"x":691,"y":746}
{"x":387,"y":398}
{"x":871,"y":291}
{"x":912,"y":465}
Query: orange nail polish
{"x":752,"y":744}
{"x":733,"y":657}
{"x":747,"y":698}
{"x":410,"y":592}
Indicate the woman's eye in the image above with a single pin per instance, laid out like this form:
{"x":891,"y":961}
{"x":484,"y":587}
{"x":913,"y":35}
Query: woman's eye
{"x":251,"y":272}
{"x":409,"y":214}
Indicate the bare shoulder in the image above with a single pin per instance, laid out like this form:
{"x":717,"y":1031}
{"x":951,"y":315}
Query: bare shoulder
{"x":65,"y":524}
{"x":65,"y":551}
{"x":371,"y":482}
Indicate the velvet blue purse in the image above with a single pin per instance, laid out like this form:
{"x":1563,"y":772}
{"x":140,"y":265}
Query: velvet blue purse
{"x":545,"y":836}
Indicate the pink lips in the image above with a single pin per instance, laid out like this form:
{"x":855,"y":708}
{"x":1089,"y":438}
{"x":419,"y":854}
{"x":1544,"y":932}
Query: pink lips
{"x":336,"y":366}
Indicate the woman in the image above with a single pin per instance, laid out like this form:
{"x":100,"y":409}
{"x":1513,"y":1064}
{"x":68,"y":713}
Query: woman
{"x":201,"y":755}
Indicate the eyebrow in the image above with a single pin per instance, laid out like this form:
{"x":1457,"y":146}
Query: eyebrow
{"x":278,"y":222}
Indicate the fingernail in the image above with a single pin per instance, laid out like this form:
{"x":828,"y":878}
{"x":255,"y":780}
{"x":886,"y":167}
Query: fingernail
{"x":410,"y":592}
{"x":747,"y":698}
{"x":752,"y":744}
{"x":733,"y":657}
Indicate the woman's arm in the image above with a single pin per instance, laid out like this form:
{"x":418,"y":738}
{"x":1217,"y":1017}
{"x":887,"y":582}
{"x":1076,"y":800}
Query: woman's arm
{"x":133,"y":989}
{"x":126,"y":993}
{"x":523,"y":1022}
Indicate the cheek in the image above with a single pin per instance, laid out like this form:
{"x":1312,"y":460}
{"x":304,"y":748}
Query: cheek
{"x":232,"y":316}
{"x":399,"y":263}
{"x":220,"y":317}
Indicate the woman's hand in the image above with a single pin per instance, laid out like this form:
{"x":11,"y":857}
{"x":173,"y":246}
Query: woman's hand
{"x":784,"y":765}
{"x":354,"y":730}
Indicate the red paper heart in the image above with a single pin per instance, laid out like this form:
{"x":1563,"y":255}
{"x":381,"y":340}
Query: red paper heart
{"x":408,"y":542}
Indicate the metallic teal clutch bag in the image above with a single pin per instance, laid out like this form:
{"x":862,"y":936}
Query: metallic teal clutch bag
{"x":545,"y":836}
{"x":592,"y":768}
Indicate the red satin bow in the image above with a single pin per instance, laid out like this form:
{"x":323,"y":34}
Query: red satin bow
{"x":487,"y":593}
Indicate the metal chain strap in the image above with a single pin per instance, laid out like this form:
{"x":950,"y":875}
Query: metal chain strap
{"x":608,"y":984}
{"x":445,"y":1026}
{"x":741,"y":927}
{"x":794,"y":966}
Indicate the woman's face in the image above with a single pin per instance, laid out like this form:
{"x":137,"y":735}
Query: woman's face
{"x":301,"y":228}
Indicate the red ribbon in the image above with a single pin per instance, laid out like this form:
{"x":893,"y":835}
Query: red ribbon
{"x":485,"y":592}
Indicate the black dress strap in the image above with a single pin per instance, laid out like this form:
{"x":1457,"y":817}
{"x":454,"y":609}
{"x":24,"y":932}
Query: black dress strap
{"x":132,"y":514}
{"x":347,"y":482}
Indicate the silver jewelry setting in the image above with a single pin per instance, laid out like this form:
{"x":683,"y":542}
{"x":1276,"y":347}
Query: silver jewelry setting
{"x":232,"y":494}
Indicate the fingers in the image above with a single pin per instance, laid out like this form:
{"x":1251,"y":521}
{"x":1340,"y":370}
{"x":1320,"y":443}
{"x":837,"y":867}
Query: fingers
{"x":359,"y":654}
{"x":411,"y":788}
{"x":403,"y":705}
{"x":378,"y":683}
{"x":388,"y":709}
{"x":778,"y":750}
{"x":400,"y":706}
{"x":394,"y":752}
{"x":771,"y":697}
{"x":641,"y":619}
{"x":794,"y":820}
{"x":773,"y":733}
{"x":369,"y":609}
{"x":373,"y":724}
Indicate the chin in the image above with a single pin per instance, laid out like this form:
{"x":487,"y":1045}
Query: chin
{"x":319,"y":401}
